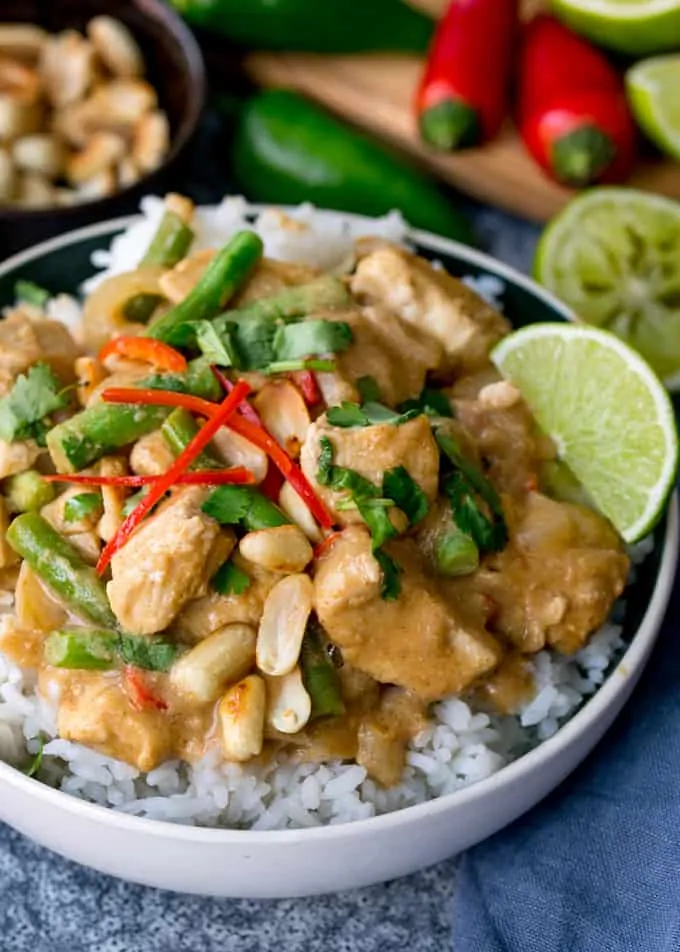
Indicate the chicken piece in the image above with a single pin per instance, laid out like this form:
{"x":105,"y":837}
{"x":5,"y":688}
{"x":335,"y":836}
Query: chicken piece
{"x":371,"y":451}
{"x":17,"y":457}
{"x":395,"y":354}
{"x":24,"y":341}
{"x":556,"y":581}
{"x":433,"y":301}
{"x":384,"y":734}
{"x":204,"y":615}
{"x":151,"y":455}
{"x":505,"y":432}
{"x":270,"y":277}
{"x":415,"y":641}
{"x":166,"y":563}
{"x":95,"y":711}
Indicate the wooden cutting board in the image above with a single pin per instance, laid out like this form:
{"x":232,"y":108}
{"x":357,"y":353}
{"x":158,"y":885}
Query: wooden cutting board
{"x":375,"y":92}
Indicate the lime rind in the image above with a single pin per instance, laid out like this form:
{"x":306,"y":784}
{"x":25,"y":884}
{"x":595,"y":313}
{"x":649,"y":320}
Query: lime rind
{"x":610,"y":416}
{"x":589,"y":243}
{"x":639,"y":28}
{"x":652,"y":86}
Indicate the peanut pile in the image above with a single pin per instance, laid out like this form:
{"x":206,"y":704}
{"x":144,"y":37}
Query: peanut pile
{"x":78,"y":121}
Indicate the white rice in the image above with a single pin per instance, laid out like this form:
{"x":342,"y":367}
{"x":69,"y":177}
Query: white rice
{"x":459,"y":747}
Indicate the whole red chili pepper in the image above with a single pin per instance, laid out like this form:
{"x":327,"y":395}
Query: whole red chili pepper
{"x":463,"y":95}
{"x":572,"y":110}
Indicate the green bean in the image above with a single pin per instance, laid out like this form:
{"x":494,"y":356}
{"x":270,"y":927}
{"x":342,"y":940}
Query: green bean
{"x":27,"y":491}
{"x":320,"y":675}
{"x":178,"y":431}
{"x":106,"y":427}
{"x":91,"y":649}
{"x":230,"y":267}
{"x":169,"y":245}
{"x":295,"y":302}
{"x":456,"y":554}
{"x":55,"y":561}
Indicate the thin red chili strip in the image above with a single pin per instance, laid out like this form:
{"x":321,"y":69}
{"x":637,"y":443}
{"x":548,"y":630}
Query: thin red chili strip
{"x":256,"y":434}
{"x":160,"y":398}
{"x":260,"y":437}
{"x":308,"y":386}
{"x":218,"y":417}
{"x":139,"y":694}
{"x":272,"y":483}
{"x":148,"y":349}
{"x":245,"y":409}
{"x":237,"y":475}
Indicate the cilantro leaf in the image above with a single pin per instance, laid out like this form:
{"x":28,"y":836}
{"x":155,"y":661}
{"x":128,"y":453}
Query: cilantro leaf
{"x":325,"y":461}
{"x":391,"y":570}
{"x":152,"y":654}
{"x":399,"y":485}
{"x":81,"y":506}
{"x":375,"y":514}
{"x":309,"y":363}
{"x":477,"y":480}
{"x":432,"y":402}
{"x":216,"y":347}
{"x":31,"y":293}
{"x":229,"y":579}
{"x":244,"y":506}
{"x":490,"y":535}
{"x":368,"y":388}
{"x":253,"y":341}
{"x":33,"y":397}
{"x":351,"y":414}
{"x":310,"y":338}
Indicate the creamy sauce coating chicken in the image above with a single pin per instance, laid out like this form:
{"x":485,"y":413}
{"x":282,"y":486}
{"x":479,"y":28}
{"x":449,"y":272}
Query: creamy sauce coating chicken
{"x":242,"y":626}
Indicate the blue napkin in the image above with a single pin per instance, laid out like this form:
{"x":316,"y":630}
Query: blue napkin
{"x":596,"y":867}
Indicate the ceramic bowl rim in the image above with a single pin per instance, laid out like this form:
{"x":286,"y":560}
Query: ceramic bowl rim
{"x":518,"y":770}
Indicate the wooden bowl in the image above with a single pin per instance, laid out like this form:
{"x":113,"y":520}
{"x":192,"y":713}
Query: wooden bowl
{"x":174,"y":67}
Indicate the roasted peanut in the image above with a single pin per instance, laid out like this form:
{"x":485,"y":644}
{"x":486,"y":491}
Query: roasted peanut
{"x":40,"y":153}
{"x":115,"y":46}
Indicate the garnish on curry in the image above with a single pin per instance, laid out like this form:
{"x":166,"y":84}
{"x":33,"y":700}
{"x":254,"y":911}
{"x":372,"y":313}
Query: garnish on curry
{"x":263,"y":507}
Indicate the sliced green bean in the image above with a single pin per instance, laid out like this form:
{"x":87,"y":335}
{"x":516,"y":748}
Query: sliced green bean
{"x":169,"y":245}
{"x":178,"y":431}
{"x":456,"y":554}
{"x":227,"y":271}
{"x":27,"y":491}
{"x":90,"y":649}
{"x":60,"y":566}
{"x":320,"y":676}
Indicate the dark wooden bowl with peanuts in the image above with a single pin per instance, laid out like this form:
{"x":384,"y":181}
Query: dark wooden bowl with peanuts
{"x":98,"y":102}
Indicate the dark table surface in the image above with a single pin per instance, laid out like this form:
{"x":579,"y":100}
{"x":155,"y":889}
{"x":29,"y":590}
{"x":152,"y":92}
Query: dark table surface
{"x":48,"y":904}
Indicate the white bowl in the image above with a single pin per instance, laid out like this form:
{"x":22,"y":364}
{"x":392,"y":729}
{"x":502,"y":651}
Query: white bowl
{"x":304,"y":862}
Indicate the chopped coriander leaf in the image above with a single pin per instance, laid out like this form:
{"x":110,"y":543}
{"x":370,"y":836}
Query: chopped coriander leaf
{"x":217,"y":348}
{"x":310,"y":363}
{"x":347,"y":414}
{"x":31,"y":293}
{"x":368,"y":388}
{"x":33,"y":397}
{"x":81,"y":506}
{"x":313,"y":337}
{"x":153,"y":654}
{"x":489,"y":534}
{"x":375,"y":513}
{"x":325,"y":461}
{"x":245,"y":506}
{"x":391,"y":570}
{"x":432,"y":402}
{"x":253,"y":341}
{"x":399,"y":485}
{"x":33,"y":766}
{"x":229,"y":579}
{"x":479,"y":482}
{"x":351,"y":414}
{"x":343,"y":479}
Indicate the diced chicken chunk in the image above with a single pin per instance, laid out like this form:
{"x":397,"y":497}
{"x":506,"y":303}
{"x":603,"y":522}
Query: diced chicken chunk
{"x":95,"y":711}
{"x":415,"y":641}
{"x":166,"y":563}
{"x":432,"y":301}
{"x":389,"y":350}
{"x":212,"y":611}
{"x":17,"y":457}
{"x":151,"y":455}
{"x":24,"y":341}
{"x":371,"y":451}
{"x":270,"y":277}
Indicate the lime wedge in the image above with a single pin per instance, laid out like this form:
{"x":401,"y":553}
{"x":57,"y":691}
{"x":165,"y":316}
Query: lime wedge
{"x":610,"y":417}
{"x":613,"y":255}
{"x":653,"y":86}
{"x":638,"y":27}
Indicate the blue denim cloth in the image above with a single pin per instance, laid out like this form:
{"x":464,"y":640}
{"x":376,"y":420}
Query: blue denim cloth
{"x":596,"y":867}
